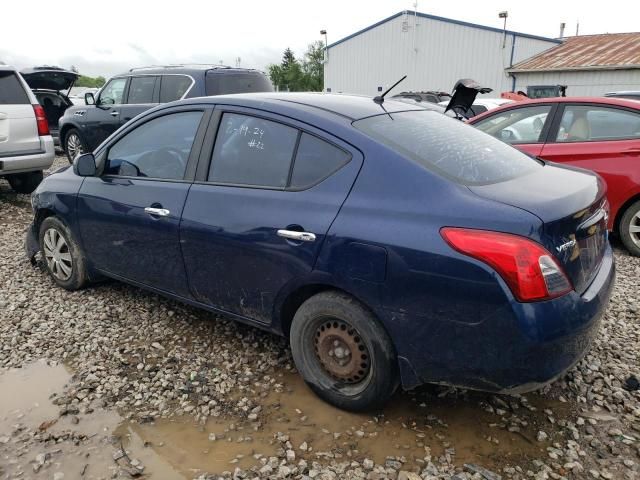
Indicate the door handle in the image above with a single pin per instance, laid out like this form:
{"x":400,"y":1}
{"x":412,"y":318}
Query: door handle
{"x":298,"y":236}
{"x":114,"y":114}
{"x":159,"y":212}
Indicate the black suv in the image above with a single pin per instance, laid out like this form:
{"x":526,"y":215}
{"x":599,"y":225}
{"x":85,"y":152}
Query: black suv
{"x":83,"y":128}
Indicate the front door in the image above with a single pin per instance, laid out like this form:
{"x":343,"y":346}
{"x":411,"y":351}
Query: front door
{"x":257,"y":219}
{"x":130,"y":216}
{"x":101,"y":120}
{"x":523,"y":127}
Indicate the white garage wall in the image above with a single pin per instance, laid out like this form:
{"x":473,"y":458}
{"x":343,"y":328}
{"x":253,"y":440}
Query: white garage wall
{"x":586,"y":83}
{"x":433,"y":53}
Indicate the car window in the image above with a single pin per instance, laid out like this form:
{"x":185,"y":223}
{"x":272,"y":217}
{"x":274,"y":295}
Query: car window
{"x":520,"y":125}
{"x":141,"y":89}
{"x":113,"y":92}
{"x":173,"y":87}
{"x":584,"y":123}
{"x":11,"y":90}
{"x":448,"y":147}
{"x":157,"y":149}
{"x":315,"y":160}
{"x":222,"y":83}
{"x":252,"y":151}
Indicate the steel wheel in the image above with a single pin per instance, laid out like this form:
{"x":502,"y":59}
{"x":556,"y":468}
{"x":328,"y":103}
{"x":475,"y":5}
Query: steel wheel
{"x":57,"y":254}
{"x":634,"y":229}
{"x":341,"y":352}
{"x":74,"y":145}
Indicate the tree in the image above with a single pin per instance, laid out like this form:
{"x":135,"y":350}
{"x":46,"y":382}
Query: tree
{"x":84,"y":81}
{"x":294,"y":76}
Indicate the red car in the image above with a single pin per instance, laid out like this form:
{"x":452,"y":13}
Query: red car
{"x":599,"y":134}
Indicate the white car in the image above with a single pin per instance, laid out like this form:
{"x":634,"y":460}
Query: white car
{"x":26,"y":146}
{"x":481,"y":105}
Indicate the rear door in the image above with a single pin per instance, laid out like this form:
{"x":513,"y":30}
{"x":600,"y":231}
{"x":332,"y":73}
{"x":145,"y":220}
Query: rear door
{"x":257,"y":216}
{"x":142,"y":94}
{"x":129,"y":216}
{"x":18,"y":128}
{"x":524,"y":127}
{"x":99,"y":121}
{"x":602,"y":138}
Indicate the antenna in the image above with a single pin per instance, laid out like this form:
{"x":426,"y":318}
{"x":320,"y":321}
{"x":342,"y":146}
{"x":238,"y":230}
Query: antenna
{"x":380,"y":98}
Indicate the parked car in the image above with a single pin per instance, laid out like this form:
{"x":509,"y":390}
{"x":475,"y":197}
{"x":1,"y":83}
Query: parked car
{"x":83,"y":128}
{"x":631,"y":94}
{"x":48,"y":84}
{"x":76,"y":95}
{"x":431,"y":96}
{"x":481,"y":105}
{"x":26,"y":146}
{"x":391,"y":245}
{"x":598,"y":133}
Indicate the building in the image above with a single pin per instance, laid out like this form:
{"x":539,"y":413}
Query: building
{"x":434,"y":52}
{"x":586,"y":64}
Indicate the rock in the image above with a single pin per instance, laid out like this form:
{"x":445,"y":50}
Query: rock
{"x":303,"y":446}
{"x":58,"y":476}
{"x":542,"y":436}
{"x":404,"y":475}
{"x":483,"y":472}
{"x":367,"y":464}
{"x":291,"y":456}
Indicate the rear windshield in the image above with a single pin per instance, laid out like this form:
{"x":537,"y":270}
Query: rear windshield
{"x":227,"y":83}
{"x":448,"y":146}
{"x":11,"y":90}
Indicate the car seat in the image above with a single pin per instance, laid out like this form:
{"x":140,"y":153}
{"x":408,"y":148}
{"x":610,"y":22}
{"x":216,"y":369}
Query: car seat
{"x":580,"y":129}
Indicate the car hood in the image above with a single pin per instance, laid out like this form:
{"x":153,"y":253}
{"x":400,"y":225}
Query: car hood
{"x":49,"y":78}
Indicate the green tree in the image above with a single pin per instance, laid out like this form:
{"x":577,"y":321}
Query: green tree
{"x":84,"y":81}
{"x":313,"y":67}
{"x":296,"y":76}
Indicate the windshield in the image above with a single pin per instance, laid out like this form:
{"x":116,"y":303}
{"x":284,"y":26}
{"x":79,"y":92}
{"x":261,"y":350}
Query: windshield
{"x":450,"y":147}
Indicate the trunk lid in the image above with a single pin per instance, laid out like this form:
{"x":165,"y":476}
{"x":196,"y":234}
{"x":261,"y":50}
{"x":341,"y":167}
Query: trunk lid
{"x":573,"y":208}
{"x":49,"y":78}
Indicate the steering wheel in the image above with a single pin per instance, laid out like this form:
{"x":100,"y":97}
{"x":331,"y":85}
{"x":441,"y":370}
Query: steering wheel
{"x":166,"y":162}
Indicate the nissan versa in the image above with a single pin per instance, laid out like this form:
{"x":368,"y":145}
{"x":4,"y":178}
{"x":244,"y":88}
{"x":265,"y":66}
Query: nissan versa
{"x":391,"y":244}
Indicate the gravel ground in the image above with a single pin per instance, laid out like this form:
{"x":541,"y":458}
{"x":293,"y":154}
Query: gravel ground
{"x":149,"y":358}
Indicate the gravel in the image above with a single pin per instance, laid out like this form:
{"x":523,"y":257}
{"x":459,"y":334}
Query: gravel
{"x":149,"y":357}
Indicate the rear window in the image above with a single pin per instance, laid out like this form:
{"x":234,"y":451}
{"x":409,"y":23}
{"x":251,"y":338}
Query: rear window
{"x":11,"y":90}
{"x":227,"y":83}
{"x":449,"y":147}
{"x":173,"y":87}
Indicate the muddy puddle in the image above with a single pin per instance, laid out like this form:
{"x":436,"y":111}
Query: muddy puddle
{"x":89,"y":443}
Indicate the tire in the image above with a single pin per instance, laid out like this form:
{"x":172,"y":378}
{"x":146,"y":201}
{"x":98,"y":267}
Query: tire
{"x":72,"y":273}
{"x":629,"y":228}
{"x":25,"y":182}
{"x":374,"y":376}
{"x":72,"y":142}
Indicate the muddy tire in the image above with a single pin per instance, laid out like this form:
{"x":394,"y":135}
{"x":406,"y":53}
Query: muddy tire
{"x":61,"y":255}
{"x":73,"y":145}
{"x":25,"y":182}
{"x":629,"y":228}
{"x":343,"y":353}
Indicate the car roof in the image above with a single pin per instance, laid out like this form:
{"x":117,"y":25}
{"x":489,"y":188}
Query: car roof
{"x":186,"y":69}
{"x":615,"y":101}
{"x":352,"y":107}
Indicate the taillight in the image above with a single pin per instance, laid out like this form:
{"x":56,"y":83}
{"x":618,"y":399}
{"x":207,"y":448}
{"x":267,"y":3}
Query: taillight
{"x":41,"y":120}
{"x":527,"y":267}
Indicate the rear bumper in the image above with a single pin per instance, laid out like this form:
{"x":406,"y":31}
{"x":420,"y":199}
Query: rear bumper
{"x":29,"y":163}
{"x":518,"y":348}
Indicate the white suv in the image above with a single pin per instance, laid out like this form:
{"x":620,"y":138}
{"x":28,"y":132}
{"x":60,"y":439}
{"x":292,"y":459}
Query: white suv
{"x":26,"y":146}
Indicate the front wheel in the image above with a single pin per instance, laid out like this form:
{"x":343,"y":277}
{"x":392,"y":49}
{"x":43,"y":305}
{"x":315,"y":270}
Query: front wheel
{"x":343,"y":353}
{"x":25,"y":182}
{"x":73,"y":145}
{"x":62,"y":255}
{"x":629,"y":228}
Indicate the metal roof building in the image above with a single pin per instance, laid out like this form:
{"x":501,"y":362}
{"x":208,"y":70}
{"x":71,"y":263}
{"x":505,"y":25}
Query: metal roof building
{"x":587,"y":64}
{"x":434,"y":52}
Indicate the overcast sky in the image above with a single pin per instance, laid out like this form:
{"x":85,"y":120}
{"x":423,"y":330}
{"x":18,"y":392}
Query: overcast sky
{"x":105,"y":38}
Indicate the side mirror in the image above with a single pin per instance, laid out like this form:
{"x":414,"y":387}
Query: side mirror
{"x":85,"y":165}
{"x":89,"y":99}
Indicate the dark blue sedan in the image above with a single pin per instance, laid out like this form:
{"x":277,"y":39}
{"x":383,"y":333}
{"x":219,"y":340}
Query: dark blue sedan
{"x":391,"y":244}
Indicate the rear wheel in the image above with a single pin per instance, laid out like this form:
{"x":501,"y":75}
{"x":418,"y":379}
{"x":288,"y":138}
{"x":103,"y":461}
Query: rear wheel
{"x":343,"y":353}
{"x":629,"y":228}
{"x":25,"y":182}
{"x":62,"y":255}
{"x":73,"y":145}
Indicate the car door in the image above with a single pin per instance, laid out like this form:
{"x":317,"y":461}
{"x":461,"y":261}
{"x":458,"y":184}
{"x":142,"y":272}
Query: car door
{"x":129,"y":216}
{"x":257,"y":215}
{"x":602,"y":138}
{"x":524,"y":127}
{"x":99,"y":121}
{"x":142,"y":94}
